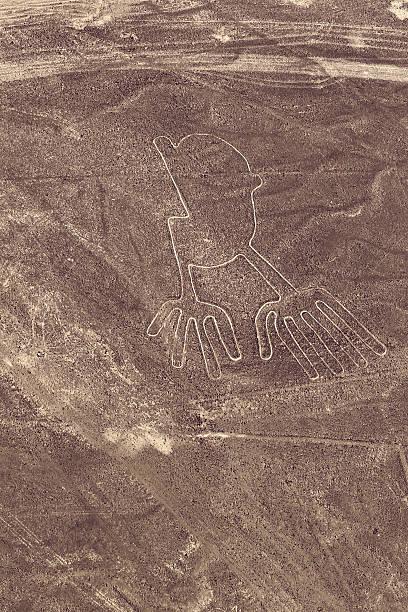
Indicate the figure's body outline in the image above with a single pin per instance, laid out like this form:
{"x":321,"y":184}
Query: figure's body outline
{"x":265,"y":268}
{"x":188,"y":216}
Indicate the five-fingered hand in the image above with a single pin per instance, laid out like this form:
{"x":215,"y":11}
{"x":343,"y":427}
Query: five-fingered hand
{"x":318,"y":331}
{"x":200,"y":315}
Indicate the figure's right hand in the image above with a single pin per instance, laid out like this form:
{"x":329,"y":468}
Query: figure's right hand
{"x":318,"y":330}
{"x":200,"y":315}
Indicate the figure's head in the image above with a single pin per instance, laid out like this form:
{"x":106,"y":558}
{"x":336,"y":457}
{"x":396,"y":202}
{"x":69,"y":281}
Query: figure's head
{"x":207,"y":161}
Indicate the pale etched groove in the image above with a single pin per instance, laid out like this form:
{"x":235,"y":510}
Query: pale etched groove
{"x":222,"y":435}
{"x":330,"y":335}
{"x":21,"y":21}
{"x":44,"y":554}
{"x":403,"y":460}
{"x":18,"y":12}
{"x":278,"y":68}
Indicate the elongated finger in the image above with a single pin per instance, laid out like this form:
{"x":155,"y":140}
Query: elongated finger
{"x":316,"y":338}
{"x":302,"y":342}
{"x":330,"y":344}
{"x":354,"y":324}
{"x":211,"y":363}
{"x":159,"y":319}
{"x":262,"y":330}
{"x":178,"y":353}
{"x":348,"y":332}
{"x":226,"y":333}
{"x":288,"y":339}
{"x":343,"y":342}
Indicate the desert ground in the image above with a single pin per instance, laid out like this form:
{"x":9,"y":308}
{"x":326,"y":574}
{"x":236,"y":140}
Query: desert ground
{"x":235,"y":484}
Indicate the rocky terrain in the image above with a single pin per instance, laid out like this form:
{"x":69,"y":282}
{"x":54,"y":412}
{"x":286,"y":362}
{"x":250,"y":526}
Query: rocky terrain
{"x":127,"y":483}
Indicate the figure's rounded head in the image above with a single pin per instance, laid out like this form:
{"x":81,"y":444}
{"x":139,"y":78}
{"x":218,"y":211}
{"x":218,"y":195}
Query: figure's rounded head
{"x":206,"y":155}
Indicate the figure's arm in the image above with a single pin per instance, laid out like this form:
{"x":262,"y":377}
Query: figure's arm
{"x":273,"y":277}
{"x":187,"y":290}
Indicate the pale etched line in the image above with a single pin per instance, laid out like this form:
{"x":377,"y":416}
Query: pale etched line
{"x":86,"y":592}
{"x":194,"y":524}
{"x":333,"y":67}
{"x":310,"y":297}
{"x":43,"y":551}
{"x":282,"y":393}
{"x":221,"y":435}
{"x":263,"y":586}
{"x":73,"y":513}
{"x":338,"y":32}
{"x":342,"y":36}
{"x":35,"y":543}
{"x":353,"y":69}
{"x":205,"y":62}
{"x":305,"y":29}
{"x":190,"y":266}
{"x":18,"y":536}
{"x":326,"y":548}
{"x":318,"y":333}
{"x":27,"y":531}
{"x":109,"y":602}
{"x":248,"y":254}
{"x":279,"y":24}
{"x":263,"y":267}
{"x":326,"y":24}
{"x":310,"y":368}
{"x":335,"y":43}
{"x":315,"y":82}
{"x":271,"y":113}
{"x":359,"y":329}
{"x":132,"y":604}
{"x":403,"y":459}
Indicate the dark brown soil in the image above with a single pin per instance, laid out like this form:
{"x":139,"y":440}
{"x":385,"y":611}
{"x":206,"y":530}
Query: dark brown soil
{"x":130,"y":484}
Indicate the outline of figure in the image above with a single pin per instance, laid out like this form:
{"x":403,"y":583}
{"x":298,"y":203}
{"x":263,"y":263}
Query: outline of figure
{"x":315,"y":327}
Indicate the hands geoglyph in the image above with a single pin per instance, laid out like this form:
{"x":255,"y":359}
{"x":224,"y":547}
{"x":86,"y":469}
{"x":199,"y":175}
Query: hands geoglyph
{"x":215,"y":186}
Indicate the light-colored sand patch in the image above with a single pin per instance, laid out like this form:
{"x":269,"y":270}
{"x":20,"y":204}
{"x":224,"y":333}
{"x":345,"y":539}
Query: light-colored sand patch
{"x":301,"y":3}
{"x":222,"y":35}
{"x":357,"y":41}
{"x":399,"y":8}
{"x":132,"y":441}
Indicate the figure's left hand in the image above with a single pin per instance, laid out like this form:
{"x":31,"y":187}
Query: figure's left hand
{"x":198,"y":315}
{"x":318,"y":330}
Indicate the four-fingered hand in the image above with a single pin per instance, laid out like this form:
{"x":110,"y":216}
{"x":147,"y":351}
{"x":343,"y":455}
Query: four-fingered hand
{"x":318,"y":330}
{"x":199,"y":314}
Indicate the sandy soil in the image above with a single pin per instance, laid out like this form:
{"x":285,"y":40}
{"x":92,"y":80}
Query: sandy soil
{"x":130,"y":484}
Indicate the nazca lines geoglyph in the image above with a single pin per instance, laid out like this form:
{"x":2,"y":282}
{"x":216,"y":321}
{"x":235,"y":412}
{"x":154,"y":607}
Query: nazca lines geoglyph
{"x":317,"y":329}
